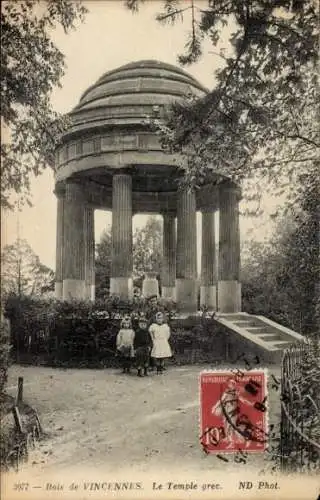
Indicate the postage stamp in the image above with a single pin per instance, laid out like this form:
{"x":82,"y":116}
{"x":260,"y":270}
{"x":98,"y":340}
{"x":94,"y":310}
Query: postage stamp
{"x":233,"y":411}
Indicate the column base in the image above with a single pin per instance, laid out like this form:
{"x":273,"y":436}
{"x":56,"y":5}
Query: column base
{"x":122,"y":287}
{"x":150,"y":286}
{"x":186,"y":293}
{"x":208,"y":297}
{"x":168,"y":292}
{"x":58,"y":290}
{"x":229,"y":296}
{"x":74,"y":289}
{"x":91,"y":292}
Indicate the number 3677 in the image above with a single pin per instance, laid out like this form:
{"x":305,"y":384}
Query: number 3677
{"x":21,"y":486}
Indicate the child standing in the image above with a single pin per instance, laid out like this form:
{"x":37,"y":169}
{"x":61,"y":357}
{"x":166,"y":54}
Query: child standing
{"x":160,"y":334}
{"x":142,"y":344}
{"x":125,"y":339}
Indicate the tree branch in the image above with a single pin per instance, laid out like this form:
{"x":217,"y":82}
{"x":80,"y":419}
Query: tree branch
{"x":163,"y":17}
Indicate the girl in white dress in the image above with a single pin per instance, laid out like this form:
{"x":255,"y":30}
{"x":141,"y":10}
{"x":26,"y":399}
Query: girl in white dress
{"x":124,"y":341}
{"x":160,"y":334}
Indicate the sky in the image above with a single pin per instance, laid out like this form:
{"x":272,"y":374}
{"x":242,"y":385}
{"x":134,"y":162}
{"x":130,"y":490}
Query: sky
{"x":110,"y":37}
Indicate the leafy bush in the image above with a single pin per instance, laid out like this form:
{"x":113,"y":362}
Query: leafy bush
{"x":4,"y":354}
{"x":83,"y":334}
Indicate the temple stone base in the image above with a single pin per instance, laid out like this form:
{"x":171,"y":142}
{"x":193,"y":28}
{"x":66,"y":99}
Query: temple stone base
{"x":186,"y":293}
{"x":229,"y":296}
{"x":150,"y":286}
{"x":74,"y":289}
{"x":168,"y":292}
{"x":208,"y":297}
{"x":122,"y":287}
{"x":58,"y":289}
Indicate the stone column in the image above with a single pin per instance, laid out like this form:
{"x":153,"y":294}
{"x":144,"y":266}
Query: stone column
{"x":74,"y":248}
{"x":186,"y":282}
{"x":89,"y":252}
{"x":168,"y":278}
{"x":229,"y":288}
{"x":58,"y":288}
{"x":121,"y":273}
{"x":208,"y":292}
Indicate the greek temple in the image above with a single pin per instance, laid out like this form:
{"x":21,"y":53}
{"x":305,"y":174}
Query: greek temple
{"x":110,"y":158}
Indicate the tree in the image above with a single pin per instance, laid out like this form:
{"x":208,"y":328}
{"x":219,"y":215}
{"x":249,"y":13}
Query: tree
{"x":103,"y":264}
{"x":31,"y":66}
{"x":22,"y":273}
{"x":281,"y":277}
{"x":147,"y":248}
{"x":147,"y":254}
{"x":261,"y":118}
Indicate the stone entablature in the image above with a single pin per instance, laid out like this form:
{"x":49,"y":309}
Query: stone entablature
{"x":108,"y":142}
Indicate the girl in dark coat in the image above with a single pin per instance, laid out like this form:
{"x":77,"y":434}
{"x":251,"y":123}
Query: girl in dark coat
{"x":142,"y":345}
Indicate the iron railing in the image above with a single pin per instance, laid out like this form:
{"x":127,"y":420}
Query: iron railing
{"x":300,"y":417}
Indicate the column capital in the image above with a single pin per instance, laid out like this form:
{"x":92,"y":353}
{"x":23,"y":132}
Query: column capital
{"x":122,"y":172}
{"x":208,"y":210}
{"x":169,"y":213}
{"x":60,"y":190}
{"x":184,"y":188}
{"x":74,"y":190}
{"x":230,"y":189}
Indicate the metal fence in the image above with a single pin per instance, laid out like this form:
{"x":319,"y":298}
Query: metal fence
{"x":300,"y":423}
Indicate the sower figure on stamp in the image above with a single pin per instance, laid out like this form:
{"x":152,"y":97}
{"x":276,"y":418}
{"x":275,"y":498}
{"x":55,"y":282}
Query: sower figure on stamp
{"x":142,"y":346}
{"x":125,"y":347}
{"x":160,"y":334}
{"x":228,"y":407}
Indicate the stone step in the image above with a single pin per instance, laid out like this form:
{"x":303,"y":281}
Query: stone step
{"x":270,"y":337}
{"x":244,"y":324}
{"x":279,"y":343}
{"x":258,"y":330}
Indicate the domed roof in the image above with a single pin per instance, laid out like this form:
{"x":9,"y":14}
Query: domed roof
{"x":129,"y":94}
{"x":125,"y":85}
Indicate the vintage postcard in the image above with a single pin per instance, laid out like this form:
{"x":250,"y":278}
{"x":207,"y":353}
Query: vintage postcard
{"x":160,"y":251}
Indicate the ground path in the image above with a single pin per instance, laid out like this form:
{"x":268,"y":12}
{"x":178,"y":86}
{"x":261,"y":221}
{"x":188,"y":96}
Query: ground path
{"x":104,"y":418}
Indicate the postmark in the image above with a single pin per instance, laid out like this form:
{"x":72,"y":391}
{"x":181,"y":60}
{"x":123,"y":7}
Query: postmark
{"x":233,"y":411}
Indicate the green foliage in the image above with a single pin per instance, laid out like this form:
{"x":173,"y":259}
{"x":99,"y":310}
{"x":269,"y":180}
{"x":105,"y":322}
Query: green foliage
{"x":83,"y":334}
{"x":22,"y":271}
{"x":261,"y":119}
{"x":147,"y":254}
{"x":280,"y":279}
{"x":31,"y":66}
{"x":147,"y":248}
{"x":103,"y":265}
{"x":300,"y":422}
{"x":4,"y":353}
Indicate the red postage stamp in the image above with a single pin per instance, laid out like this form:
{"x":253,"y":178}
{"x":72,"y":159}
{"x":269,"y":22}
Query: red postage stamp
{"x":233,"y":411}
